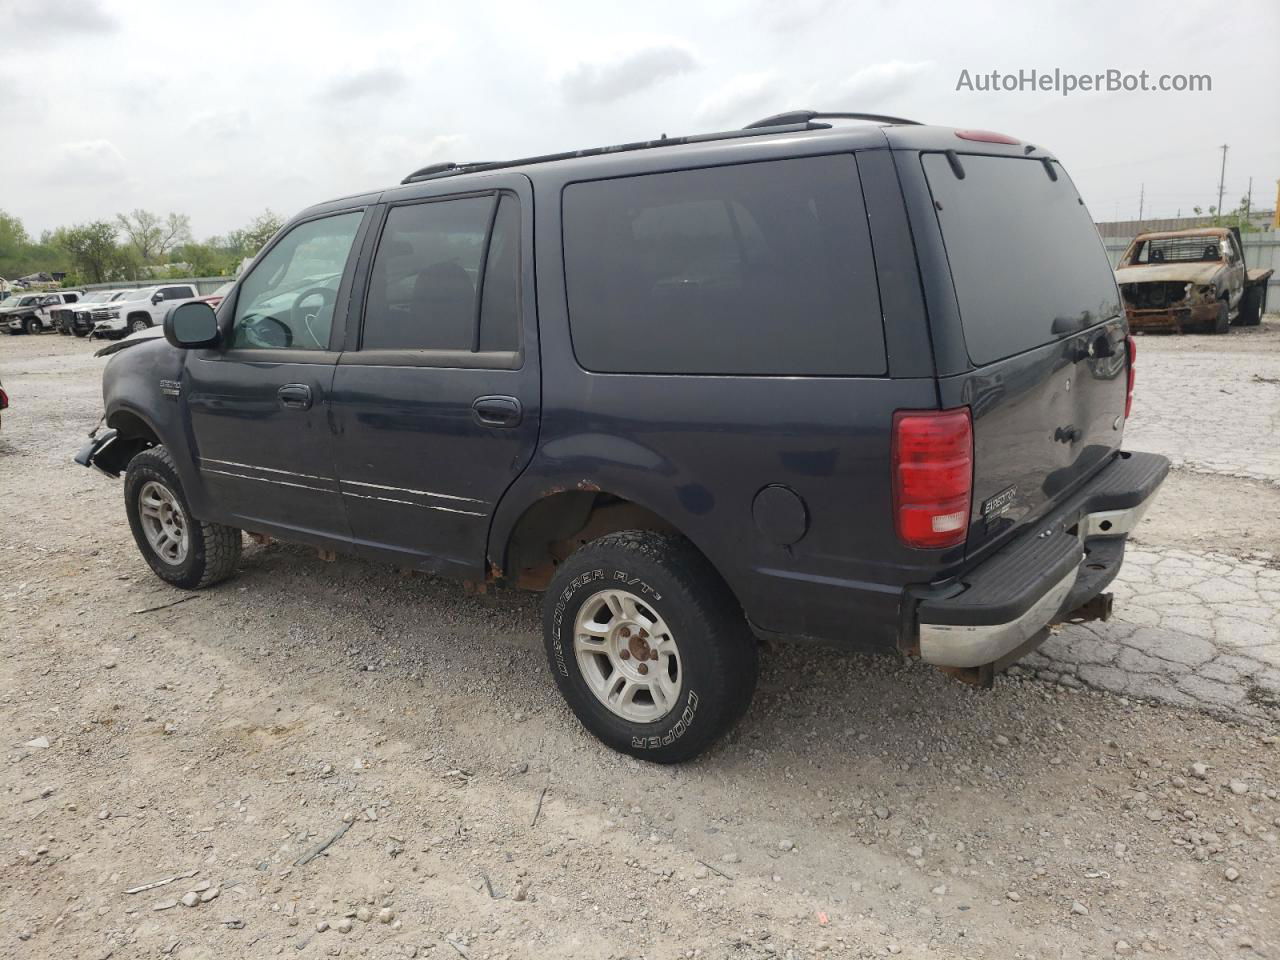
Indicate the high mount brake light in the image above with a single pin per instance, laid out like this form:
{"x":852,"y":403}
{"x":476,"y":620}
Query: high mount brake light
{"x":932,"y":462}
{"x":1131,"y":345}
{"x":986,"y":136}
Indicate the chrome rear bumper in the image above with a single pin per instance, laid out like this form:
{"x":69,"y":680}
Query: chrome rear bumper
{"x":1061,"y":565}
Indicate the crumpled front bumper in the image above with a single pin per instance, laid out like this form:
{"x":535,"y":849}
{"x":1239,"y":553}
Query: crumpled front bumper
{"x":1056,"y":567}
{"x":1174,"y":319}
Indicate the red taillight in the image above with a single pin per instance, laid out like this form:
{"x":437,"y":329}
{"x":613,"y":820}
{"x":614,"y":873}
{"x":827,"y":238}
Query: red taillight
{"x":932,"y":459}
{"x":4,"y":399}
{"x":1131,"y":345}
{"x":986,"y":136}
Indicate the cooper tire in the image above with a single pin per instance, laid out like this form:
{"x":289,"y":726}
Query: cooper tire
{"x":211,"y":550}
{"x":673,"y":584}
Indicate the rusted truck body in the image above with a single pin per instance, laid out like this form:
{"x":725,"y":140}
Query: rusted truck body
{"x":1190,"y":280}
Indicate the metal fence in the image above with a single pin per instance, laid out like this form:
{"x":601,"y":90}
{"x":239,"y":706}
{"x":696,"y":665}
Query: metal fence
{"x":204,"y":285}
{"x":1260,"y":250}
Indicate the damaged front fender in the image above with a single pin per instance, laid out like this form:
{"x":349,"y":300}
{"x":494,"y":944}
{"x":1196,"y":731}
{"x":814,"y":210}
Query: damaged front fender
{"x":110,"y":453}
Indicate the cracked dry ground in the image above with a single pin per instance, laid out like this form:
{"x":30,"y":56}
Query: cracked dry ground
{"x":1123,"y":802}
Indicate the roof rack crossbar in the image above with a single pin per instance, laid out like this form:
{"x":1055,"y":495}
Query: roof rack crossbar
{"x":806,"y":116}
{"x":437,"y":170}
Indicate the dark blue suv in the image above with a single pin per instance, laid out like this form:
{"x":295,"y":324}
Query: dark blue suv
{"x":864,"y":383}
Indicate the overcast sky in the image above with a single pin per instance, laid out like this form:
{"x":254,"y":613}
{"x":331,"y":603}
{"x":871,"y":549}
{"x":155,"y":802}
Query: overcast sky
{"x":220,"y":109}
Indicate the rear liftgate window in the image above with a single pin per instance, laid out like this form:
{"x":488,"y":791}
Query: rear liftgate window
{"x":1025,"y":256}
{"x":761,"y":268}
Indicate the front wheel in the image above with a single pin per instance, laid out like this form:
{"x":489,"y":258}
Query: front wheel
{"x":1223,"y":322}
{"x":33,"y":325}
{"x":179,"y":548}
{"x":139,"y":323}
{"x":648,"y":646}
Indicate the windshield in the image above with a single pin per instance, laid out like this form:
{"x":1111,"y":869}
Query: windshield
{"x":1026,"y":260}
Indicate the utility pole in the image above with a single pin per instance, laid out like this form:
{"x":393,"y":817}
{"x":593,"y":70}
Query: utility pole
{"x":1222,"y":178}
{"x":1248,"y":201}
{"x":1142,"y":192}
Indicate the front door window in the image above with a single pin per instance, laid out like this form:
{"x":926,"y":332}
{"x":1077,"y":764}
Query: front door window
{"x":288,"y":300}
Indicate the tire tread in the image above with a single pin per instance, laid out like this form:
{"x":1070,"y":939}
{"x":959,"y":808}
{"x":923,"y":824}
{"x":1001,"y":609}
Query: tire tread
{"x":715,"y":613}
{"x":221,"y":544}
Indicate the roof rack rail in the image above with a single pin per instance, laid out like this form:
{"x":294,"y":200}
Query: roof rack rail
{"x":437,"y":170}
{"x":806,"y":116}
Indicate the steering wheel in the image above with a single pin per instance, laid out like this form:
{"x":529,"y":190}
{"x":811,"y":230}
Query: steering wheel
{"x":264,"y":330}
{"x":301,"y":316}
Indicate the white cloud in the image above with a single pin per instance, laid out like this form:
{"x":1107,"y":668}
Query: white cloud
{"x":88,"y":162}
{"x":219,"y":124}
{"x":220,"y":115}
{"x":739,"y":100}
{"x":618,"y":75}
{"x":870,"y":86}
{"x":31,"y":24}
{"x":374,"y":82}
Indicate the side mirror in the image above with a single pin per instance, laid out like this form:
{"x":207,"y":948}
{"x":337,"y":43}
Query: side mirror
{"x":191,"y":324}
{"x":156,"y":297}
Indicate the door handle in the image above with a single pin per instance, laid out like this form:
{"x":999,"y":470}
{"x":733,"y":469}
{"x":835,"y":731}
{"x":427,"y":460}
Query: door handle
{"x":497,"y":411}
{"x":295,"y":396}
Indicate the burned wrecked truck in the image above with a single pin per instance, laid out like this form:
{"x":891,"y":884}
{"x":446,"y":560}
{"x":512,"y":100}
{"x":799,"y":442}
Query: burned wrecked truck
{"x":1189,"y":280}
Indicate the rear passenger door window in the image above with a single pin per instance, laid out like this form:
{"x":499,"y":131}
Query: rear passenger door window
{"x":444,"y":281}
{"x":751,"y":269}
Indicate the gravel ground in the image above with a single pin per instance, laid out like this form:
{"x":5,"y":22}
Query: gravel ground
{"x":865,"y":807}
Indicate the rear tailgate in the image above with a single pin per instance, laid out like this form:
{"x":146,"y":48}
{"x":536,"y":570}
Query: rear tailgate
{"x":1043,"y":329}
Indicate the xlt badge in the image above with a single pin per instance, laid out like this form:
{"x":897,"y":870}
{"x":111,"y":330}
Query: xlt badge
{"x":999,"y":505}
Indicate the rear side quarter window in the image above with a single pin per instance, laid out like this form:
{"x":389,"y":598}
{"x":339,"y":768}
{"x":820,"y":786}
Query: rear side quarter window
{"x":746,"y":269}
{"x":1026,"y":260}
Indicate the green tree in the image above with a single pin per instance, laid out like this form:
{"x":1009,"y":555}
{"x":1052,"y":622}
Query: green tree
{"x":249,"y":240}
{"x":152,"y":236}
{"x":92,"y":249}
{"x":209,"y":259}
{"x":13,"y":246}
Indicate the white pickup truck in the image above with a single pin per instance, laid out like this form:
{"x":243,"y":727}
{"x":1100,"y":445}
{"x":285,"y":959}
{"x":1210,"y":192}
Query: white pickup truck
{"x":140,"y":309}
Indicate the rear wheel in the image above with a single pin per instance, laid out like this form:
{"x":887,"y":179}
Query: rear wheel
{"x":79,"y":332}
{"x":648,"y":645}
{"x":179,"y":548}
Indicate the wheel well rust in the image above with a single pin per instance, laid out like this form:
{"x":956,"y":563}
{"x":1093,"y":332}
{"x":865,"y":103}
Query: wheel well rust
{"x":554,"y":527}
